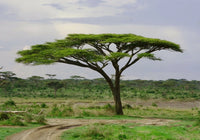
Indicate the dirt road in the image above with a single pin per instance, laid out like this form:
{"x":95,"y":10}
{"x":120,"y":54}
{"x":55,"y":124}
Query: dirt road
{"x":55,"y":127}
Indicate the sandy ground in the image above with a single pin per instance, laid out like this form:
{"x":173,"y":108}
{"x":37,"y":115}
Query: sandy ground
{"x":55,"y":127}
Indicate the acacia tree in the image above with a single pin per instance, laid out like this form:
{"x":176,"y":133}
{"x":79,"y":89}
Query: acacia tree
{"x":96,"y":51}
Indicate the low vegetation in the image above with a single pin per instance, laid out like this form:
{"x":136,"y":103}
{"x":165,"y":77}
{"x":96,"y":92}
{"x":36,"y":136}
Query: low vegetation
{"x":35,"y":110}
{"x":8,"y":130}
{"x":34,"y":102}
{"x":175,"y":131}
{"x":80,"y":88}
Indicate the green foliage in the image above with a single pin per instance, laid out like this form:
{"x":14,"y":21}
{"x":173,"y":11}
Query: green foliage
{"x":40,"y":119}
{"x":154,"y":104}
{"x":127,"y":106}
{"x":9,"y":103}
{"x":148,"y":55}
{"x":15,"y":120}
{"x":72,"y":46}
{"x":198,"y":118}
{"x":117,"y":55}
{"x":98,"y":89}
{"x":60,"y":111}
{"x":109,"y":107}
{"x":55,"y":85}
{"x":43,"y":105}
{"x":3,"y":116}
{"x":28,"y":118}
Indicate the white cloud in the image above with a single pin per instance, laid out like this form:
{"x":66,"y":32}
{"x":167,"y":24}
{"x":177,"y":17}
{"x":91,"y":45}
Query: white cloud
{"x":67,"y":28}
{"x":40,"y":9}
{"x":26,"y":32}
{"x":119,"y":3}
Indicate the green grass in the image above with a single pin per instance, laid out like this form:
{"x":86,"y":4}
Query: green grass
{"x":156,"y":112}
{"x":7,"y":131}
{"x":181,"y":130}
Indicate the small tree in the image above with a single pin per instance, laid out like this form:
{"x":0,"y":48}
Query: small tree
{"x":6,"y":81}
{"x":96,"y":52}
{"x":55,"y":85}
{"x":51,"y":76}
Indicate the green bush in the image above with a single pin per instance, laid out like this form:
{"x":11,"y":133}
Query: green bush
{"x":198,"y":118}
{"x":40,"y":119}
{"x":16,"y":120}
{"x":9,"y":103}
{"x":67,"y":111}
{"x":55,"y":111}
{"x":43,"y":105}
{"x":94,"y":132}
{"x":108,"y":107}
{"x":28,"y":118}
{"x":154,"y":104}
{"x":122,"y":136}
{"x":3,"y":116}
{"x":127,"y":106}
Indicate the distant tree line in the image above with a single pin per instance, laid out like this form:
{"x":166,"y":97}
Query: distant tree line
{"x":82,"y":88}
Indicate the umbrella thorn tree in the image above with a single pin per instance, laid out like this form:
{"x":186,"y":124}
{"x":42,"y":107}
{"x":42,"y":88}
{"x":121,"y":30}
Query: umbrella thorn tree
{"x":97,"y":51}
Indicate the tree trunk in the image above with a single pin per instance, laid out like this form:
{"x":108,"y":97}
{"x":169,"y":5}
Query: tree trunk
{"x":55,"y":90}
{"x":118,"y":104}
{"x":115,"y":88}
{"x":117,"y":97}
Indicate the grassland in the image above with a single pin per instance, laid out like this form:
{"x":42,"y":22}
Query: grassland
{"x":133,"y":131}
{"x":185,"y":112}
{"x":9,"y":130}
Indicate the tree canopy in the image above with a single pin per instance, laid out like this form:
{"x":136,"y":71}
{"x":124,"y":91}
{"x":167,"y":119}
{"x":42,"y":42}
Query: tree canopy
{"x":88,"y":49}
{"x":96,"y":51}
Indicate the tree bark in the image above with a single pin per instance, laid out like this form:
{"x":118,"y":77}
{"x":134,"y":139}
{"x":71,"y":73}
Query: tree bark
{"x":118,"y":104}
{"x":115,"y":88}
{"x":55,"y":90}
{"x":117,"y":97}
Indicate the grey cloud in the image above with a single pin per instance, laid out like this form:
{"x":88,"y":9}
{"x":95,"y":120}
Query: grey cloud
{"x":7,"y":13}
{"x":56,"y":6}
{"x":149,"y":13}
{"x":90,"y":3}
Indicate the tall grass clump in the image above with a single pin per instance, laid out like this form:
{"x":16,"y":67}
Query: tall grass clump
{"x":198,"y":118}
{"x":40,"y":119}
{"x":60,"y":111}
{"x":9,"y":103}
{"x":28,"y":118}
{"x":3,"y":116}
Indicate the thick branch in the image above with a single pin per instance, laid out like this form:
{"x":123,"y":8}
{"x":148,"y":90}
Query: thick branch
{"x":130,"y":63}
{"x":97,"y":68}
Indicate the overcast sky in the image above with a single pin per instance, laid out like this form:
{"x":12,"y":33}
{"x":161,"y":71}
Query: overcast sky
{"x":28,"y":22}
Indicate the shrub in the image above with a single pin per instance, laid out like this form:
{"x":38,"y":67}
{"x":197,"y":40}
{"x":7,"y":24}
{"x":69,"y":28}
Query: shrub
{"x":108,"y":107}
{"x":28,"y":118}
{"x":3,"y":116}
{"x":43,"y":105}
{"x":67,"y":111}
{"x":94,"y":132}
{"x":154,"y":104}
{"x":16,"y":120}
{"x":198,"y":118}
{"x":55,"y":111}
{"x":9,"y":103}
{"x":40,"y":119}
{"x":122,"y":136}
{"x":87,"y":114}
{"x":127,"y":106}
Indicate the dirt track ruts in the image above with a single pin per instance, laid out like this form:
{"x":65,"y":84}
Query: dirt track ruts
{"x":55,"y":127}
